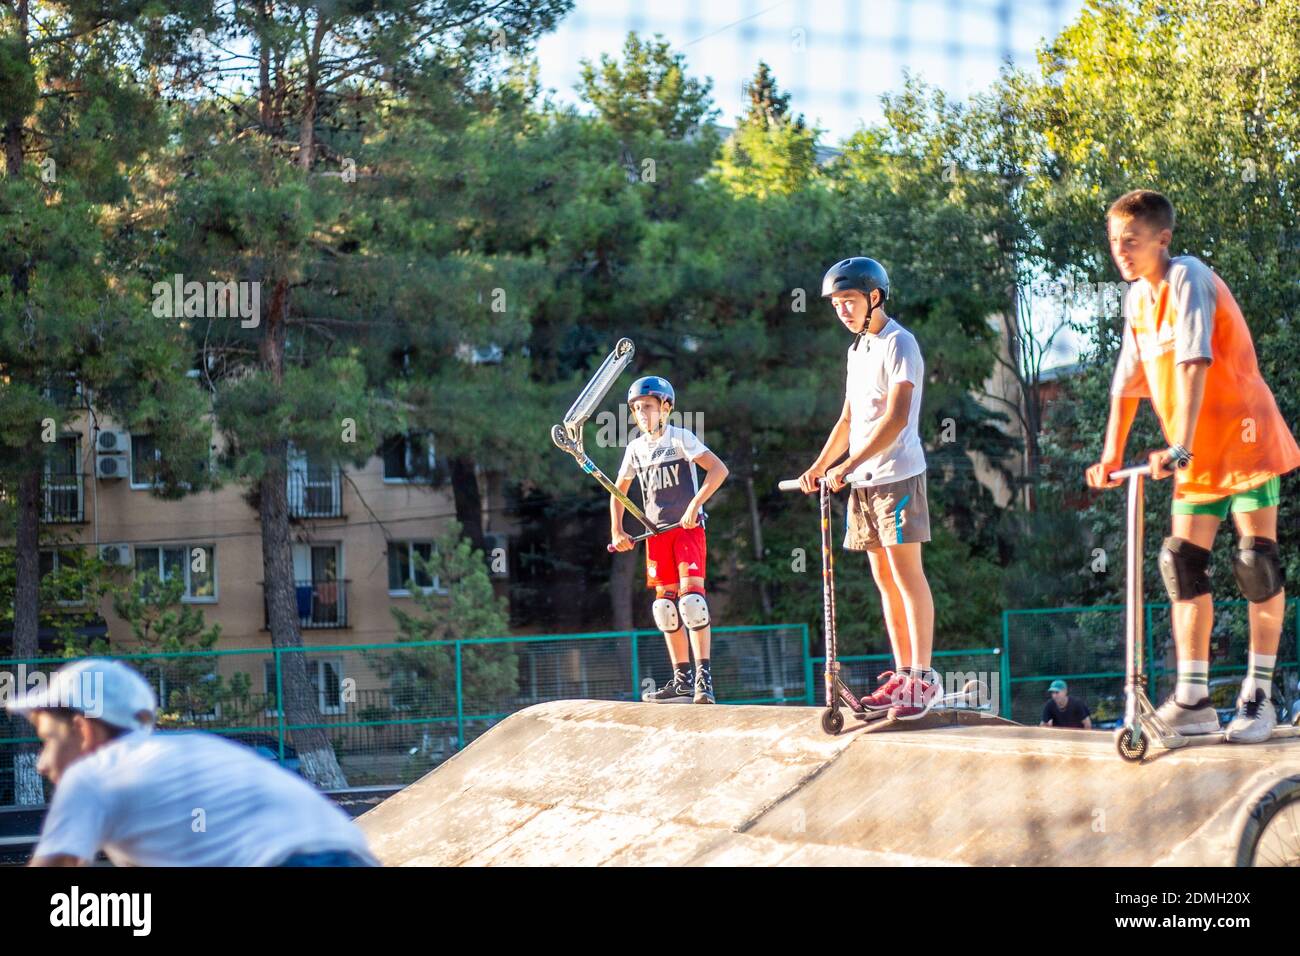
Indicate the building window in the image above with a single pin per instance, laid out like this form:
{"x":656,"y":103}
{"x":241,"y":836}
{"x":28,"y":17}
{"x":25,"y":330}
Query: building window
{"x":146,"y":465}
{"x":314,"y":487}
{"x":401,"y":567}
{"x":319,"y":588}
{"x":196,"y":564}
{"x":61,"y":481}
{"x":326,"y":676}
{"x":57,"y":563}
{"x":145,"y":460}
{"x":190,"y":697}
{"x":65,"y":391}
{"x":409,"y":457}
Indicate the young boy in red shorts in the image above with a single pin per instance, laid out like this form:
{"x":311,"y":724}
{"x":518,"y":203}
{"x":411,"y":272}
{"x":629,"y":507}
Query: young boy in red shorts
{"x":1188,"y":349}
{"x":664,"y":457}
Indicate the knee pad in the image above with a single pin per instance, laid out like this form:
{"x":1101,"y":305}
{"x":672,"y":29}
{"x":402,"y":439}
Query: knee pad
{"x":665,"y":614}
{"x":695,"y":610}
{"x":1258,"y":568}
{"x":1184,"y":568}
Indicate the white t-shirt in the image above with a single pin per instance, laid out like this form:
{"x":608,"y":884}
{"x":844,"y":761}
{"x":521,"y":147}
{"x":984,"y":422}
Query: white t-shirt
{"x":876,"y":364}
{"x":190,"y":799}
{"x":666,"y":467}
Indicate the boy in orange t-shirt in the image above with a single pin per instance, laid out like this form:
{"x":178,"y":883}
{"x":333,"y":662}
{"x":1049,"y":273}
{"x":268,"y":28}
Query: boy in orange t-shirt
{"x":1187,"y":348}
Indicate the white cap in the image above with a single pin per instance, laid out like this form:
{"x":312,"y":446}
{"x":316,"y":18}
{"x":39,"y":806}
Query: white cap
{"x":97,"y":687}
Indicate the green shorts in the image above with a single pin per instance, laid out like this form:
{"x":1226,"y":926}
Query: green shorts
{"x":1266,"y":495}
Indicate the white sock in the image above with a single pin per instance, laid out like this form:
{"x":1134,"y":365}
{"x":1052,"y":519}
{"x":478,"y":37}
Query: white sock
{"x":1259,"y":674}
{"x":1193,"y":682}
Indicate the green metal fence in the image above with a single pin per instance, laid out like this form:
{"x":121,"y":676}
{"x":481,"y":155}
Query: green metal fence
{"x":1085,"y":647}
{"x":393,"y":711}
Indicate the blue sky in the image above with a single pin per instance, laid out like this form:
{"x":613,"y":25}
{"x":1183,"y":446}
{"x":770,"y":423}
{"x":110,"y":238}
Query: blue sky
{"x":835,"y":57}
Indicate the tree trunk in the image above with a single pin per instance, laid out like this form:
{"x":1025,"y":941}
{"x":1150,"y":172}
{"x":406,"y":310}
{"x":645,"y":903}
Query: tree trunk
{"x":310,"y":97}
{"x":14,"y":120}
{"x":27,"y":566}
{"x":319,"y":763}
{"x":307,"y":127}
{"x":28,"y":789}
{"x":469,"y":503}
{"x":264,"y":106}
{"x":765,"y":599}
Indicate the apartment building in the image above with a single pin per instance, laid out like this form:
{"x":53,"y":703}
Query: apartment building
{"x":356,"y":534}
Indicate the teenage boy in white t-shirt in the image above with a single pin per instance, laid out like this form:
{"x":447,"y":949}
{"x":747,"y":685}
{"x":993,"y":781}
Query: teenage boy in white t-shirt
{"x":888,"y":516}
{"x":167,"y":799}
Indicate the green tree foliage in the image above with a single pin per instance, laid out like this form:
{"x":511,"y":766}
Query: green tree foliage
{"x":1188,"y":99}
{"x":770,"y":151}
{"x":462,"y":605}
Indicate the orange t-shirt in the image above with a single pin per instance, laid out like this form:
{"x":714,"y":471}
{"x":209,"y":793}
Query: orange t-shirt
{"x":1241,"y":438}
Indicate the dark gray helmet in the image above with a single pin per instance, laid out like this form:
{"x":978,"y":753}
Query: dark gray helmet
{"x":858,"y":273}
{"x":652,"y":385}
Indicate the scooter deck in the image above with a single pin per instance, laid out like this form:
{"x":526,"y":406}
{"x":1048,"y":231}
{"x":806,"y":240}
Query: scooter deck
{"x":1284,"y":732}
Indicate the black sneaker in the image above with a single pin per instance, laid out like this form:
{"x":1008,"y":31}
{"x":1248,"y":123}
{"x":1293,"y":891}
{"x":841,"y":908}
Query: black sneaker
{"x":703,"y":686}
{"x":676,"y":691}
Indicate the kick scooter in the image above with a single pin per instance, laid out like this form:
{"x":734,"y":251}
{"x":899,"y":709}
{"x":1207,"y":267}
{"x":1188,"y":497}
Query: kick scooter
{"x":1141,"y":722}
{"x":837,"y":692}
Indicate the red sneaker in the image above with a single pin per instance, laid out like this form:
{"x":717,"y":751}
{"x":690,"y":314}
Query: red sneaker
{"x":915,"y":700}
{"x":886,"y":695}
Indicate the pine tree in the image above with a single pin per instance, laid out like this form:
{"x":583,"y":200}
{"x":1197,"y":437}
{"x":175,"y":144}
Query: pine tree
{"x":73,"y":313}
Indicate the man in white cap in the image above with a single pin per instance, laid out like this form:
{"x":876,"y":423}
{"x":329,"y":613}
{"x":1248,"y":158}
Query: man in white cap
{"x":167,"y":799}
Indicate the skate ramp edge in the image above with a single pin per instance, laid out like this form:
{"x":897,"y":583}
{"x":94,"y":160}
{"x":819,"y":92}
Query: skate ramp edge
{"x":581,"y":782}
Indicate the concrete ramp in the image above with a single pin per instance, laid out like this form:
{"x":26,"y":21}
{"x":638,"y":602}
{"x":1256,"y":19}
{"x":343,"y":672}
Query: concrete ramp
{"x":605,"y":783}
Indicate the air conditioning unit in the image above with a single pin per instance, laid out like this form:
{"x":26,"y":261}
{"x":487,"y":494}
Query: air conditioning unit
{"x":497,"y":548}
{"x":112,"y":466}
{"x":115,"y":554}
{"x":113,"y":443}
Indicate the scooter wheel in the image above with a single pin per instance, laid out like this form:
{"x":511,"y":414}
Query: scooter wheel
{"x":832,"y":721}
{"x":1130,"y":746}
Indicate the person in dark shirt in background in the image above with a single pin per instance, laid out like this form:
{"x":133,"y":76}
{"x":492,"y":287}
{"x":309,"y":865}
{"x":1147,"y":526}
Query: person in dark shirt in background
{"x":1065,"y":711}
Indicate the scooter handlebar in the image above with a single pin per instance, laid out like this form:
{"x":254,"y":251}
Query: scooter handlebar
{"x":1145,"y":468}
{"x":792,"y":484}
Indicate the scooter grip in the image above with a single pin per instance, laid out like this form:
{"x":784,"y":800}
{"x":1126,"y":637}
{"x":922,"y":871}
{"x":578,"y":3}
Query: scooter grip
{"x":790,"y":484}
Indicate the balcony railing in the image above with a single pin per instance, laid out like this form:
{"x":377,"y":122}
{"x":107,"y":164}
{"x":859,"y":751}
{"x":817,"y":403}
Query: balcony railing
{"x":315,"y":495}
{"x":62,"y":498}
{"x":321,"y":604}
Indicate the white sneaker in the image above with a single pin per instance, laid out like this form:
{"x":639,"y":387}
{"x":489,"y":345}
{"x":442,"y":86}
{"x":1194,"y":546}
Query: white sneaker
{"x":1254,"y":722}
{"x":1189,"y":720}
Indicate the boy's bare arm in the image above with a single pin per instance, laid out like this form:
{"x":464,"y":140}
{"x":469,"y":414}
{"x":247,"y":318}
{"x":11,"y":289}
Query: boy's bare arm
{"x":1191,"y":395}
{"x":838,"y":442}
{"x":1123,"y":410}
{"x":716,"y":473}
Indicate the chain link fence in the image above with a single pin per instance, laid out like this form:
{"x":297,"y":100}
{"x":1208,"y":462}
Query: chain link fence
{"x":1084,"y":646}
{"x":394,"y":711}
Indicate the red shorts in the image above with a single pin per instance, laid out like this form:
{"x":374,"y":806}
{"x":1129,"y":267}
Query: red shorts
{"x":673,"y":555}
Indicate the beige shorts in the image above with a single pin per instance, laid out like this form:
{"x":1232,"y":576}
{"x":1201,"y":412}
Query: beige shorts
{"x":893,"y":513}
